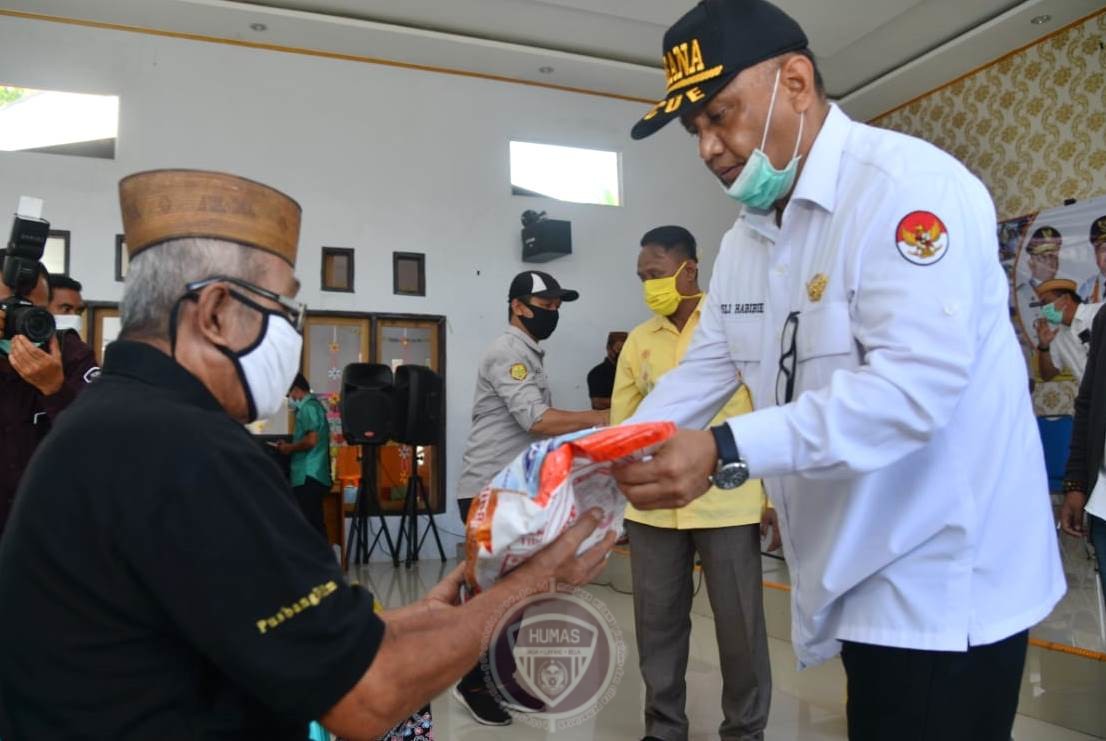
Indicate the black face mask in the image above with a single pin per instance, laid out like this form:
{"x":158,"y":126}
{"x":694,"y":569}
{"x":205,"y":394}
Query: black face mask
{"x":542,"y":324}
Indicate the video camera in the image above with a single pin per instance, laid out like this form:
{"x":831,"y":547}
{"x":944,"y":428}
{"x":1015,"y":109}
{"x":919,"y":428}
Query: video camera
{"x":21,"y":261}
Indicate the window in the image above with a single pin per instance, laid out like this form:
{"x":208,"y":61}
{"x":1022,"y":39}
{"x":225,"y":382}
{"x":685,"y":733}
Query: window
{"x":409,"y":274}
{"x":418,"y":340}
{"x":58,"y":123}
{"x":566,"y":173}
{"x":338,"y":269}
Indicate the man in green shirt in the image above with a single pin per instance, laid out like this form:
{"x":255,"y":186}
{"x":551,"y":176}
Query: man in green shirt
{"x":310,"y":451}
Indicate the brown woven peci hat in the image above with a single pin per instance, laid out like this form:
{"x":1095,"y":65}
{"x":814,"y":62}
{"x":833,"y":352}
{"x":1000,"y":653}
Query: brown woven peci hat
{"x":160,"y":205}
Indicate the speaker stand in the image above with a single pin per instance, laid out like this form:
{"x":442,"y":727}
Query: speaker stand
{"x":415,"y":498}
{"x":359,"y":530}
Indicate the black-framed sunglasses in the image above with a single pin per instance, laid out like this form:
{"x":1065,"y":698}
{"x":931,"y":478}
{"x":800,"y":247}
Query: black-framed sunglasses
{"x":788,"y":359}
{"x":296,"y":311}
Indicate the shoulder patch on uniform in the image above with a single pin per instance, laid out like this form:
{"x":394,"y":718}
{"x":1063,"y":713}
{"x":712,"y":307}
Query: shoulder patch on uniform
{"x":922,"y":238}
{"x":519,"y":372}
{"x":92,"y":374}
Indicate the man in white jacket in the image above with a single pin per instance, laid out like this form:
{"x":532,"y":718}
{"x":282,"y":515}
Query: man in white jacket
{"x":859,"y":298}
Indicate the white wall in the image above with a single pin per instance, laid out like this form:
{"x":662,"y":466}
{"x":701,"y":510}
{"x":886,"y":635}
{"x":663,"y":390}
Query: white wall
{"x":381,"y":159}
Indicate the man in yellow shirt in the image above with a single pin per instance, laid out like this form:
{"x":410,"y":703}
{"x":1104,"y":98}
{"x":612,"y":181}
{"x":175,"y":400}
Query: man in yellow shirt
{"x":723,"y":527}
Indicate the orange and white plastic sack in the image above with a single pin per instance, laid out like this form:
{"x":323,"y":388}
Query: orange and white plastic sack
{"x":543,"y":492}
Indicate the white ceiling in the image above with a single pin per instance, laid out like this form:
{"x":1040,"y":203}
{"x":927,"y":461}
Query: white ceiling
{"x":874,"y":54}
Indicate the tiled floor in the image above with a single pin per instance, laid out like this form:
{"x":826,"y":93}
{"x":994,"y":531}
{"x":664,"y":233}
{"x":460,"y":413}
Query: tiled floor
{"x":1079,"y":619}
{"x":807,"y":706}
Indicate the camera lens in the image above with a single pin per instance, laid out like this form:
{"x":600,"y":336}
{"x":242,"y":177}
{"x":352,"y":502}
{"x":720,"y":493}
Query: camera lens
{"x":36,"y":323}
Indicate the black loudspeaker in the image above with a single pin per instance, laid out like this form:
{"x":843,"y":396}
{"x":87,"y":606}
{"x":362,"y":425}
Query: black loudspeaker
{"x":366,"y":403}
{"x":418,"y":406}
{"x":546,"y":240}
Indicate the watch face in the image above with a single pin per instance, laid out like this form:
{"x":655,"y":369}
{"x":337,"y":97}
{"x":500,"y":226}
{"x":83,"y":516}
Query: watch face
{"x":731,"y":475}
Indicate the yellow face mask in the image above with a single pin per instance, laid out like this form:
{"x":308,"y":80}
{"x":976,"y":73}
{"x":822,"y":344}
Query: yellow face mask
{"x":661,"y":294}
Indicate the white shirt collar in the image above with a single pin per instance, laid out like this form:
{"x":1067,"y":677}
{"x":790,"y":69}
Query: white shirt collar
{"x":818,"y":180}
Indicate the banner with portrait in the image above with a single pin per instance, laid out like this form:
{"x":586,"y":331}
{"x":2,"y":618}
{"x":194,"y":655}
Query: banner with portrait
{"x":1065,"y":242}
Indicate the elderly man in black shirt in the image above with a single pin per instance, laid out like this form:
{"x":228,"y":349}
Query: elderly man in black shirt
{"x":157,"y":580}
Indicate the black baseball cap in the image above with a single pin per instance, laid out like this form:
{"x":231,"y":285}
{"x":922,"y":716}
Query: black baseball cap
{"x":706,"y":48}
{"x":542,"y":285}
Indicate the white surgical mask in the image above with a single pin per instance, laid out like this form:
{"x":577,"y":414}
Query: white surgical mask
{"x":268,"y":366}
{"x":70,"y":322}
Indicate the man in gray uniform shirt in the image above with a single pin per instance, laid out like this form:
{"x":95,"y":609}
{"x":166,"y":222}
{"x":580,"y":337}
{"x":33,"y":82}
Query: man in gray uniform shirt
{"x":512,"y":408}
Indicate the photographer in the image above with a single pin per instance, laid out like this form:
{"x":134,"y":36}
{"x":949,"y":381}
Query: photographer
{"x":36,"y":384}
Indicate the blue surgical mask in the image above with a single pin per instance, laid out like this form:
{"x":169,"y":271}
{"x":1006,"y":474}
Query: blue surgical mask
{"x":1052,"y":315}
{"x":295,"y":404}
{"x":760,"y":184}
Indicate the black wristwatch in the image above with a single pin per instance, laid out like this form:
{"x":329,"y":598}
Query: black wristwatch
{"x":731,"y":470}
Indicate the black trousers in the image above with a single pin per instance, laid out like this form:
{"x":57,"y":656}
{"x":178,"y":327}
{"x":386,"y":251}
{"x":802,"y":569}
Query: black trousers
{"x":310,"y":495}
{"x":899,"y":694}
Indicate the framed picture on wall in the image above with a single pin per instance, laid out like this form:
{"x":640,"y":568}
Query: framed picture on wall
{"x":122,"y":259}
{"x":409,"y":273}
{"x":56,"y":254}
{"x":337,"y":269}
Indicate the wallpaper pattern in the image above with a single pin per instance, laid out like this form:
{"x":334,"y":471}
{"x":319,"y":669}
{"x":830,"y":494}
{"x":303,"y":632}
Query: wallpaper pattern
{"x":1032,"y":126}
